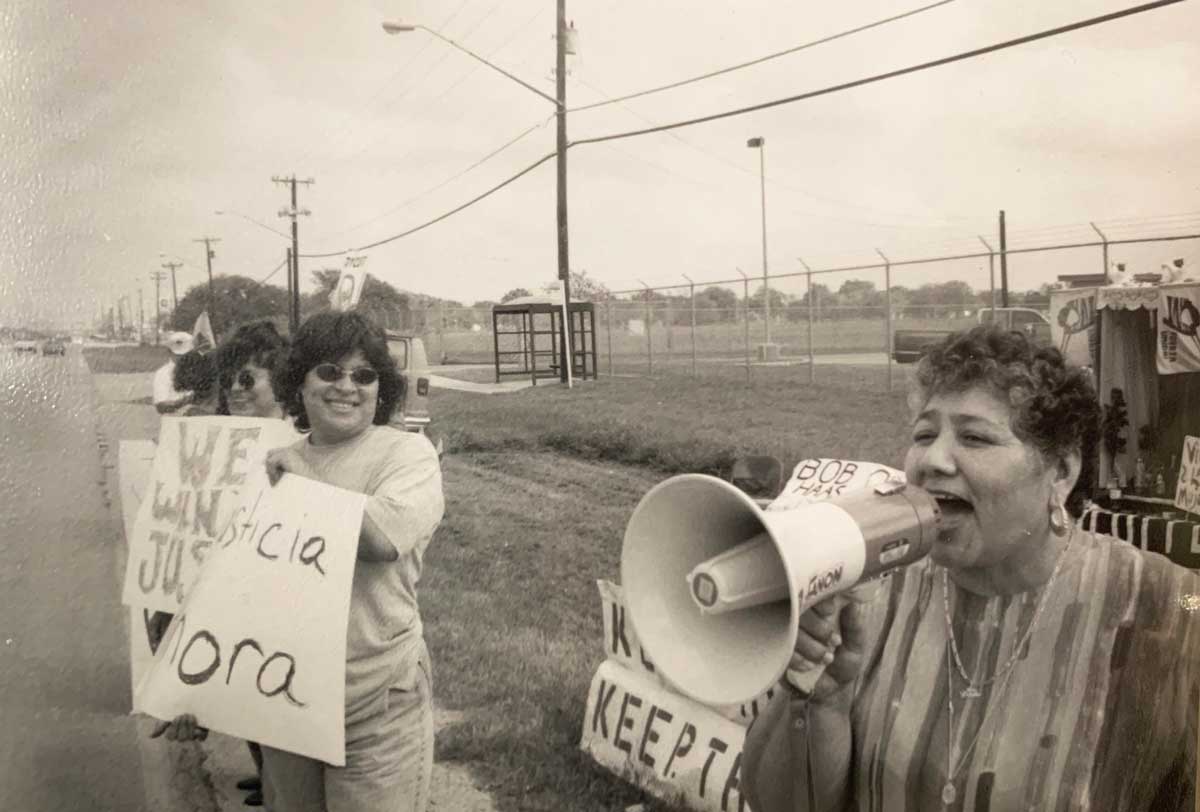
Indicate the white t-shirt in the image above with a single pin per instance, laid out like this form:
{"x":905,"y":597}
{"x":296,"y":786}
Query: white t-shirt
{"x":164,"y":384}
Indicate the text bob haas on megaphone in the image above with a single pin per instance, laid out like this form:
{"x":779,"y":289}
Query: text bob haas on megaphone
{"x":715,"y":585}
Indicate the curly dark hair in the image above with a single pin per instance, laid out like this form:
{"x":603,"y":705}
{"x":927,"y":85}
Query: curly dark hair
{"x":195,"y":372}
{"x":1054,"y":403}
{"x":258,"y":342}
{"x":327,"y":337}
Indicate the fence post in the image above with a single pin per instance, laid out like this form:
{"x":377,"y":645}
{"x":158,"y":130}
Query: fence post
{"x":887,"y":301}
{"x":991,"y":276}
{"x":1104,"y":248}
{"x":649,"y":333}
{"x":608,"y":325}
{"x":812,"y":359}
{"x":692,"y":295}
{"x":670,"y":322}
{"x":746,"y":317}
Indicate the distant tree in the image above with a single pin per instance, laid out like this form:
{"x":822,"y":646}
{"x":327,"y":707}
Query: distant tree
{"x":237,"y":300}
{"x":586,"y":289}
{"x":778,"y":300}
{"x":715,"y":304}
{"x":515,"y":293}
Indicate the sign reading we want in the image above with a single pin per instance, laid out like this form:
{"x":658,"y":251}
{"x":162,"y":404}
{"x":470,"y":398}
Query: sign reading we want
{"x":259,"y":579}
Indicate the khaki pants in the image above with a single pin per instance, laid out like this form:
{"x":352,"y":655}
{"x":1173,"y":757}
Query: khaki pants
{"x":388,"y":769}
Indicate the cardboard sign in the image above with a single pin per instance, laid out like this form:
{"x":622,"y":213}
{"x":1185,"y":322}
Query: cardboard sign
{"x":1187,"y":492}
{"x":202,"y":469}
{"x":621,"y":645}
{"x":258,"y":648}
{"x":1178,"y":329}
{"x":822,"y":478}
{"x":135,"y":460}
{"x":348,"y":290}
{"x":670,"y":746}
{"x":1073,"y":324}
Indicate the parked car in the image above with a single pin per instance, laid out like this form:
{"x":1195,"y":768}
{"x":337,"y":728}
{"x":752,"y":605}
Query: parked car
{"x":412,"y":414}
{"x":54,"y":346}
{"x":25,"y":345}
{"x":909,"y":345}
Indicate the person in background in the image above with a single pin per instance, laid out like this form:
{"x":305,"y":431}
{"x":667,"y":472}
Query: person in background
{"x":340,"y":384}
{"x":1026,"y":663}
{"x":196,"y":372}
{"x":167,"y":398}
{"x":244,"y":364}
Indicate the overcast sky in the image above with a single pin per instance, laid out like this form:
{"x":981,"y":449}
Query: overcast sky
{"x":126,"y":125}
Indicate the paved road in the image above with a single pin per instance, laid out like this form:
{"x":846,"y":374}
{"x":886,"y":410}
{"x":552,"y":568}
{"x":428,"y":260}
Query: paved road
{"x":66,"y":739}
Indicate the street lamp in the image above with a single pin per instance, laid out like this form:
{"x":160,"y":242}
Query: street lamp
{"x":760,"y":143}
{"x":564,"y":44}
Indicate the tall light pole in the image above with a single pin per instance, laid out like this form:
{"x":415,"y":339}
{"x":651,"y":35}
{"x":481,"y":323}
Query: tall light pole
{"x":760,"y":143}
{"x":293,"y":311}
{"x":208,"y":258}
{"x":293,"y":212}
{"x":564,"y":43}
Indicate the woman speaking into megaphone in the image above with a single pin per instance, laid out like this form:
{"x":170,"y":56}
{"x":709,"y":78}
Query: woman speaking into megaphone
{"x":1025,"y":664}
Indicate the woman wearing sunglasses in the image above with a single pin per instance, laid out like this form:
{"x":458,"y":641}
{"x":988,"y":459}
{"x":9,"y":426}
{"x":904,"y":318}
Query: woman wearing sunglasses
{"x":245,"y":362}
{"x":340,"y":384}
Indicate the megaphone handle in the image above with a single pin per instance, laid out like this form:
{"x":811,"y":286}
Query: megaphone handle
{"x":804,"y":681}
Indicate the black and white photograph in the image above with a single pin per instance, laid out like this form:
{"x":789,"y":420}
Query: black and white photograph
{"x":608,"y":406}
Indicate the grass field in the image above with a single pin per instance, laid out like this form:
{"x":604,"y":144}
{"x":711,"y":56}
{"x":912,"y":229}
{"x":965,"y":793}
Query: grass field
{"x":539,"y":485}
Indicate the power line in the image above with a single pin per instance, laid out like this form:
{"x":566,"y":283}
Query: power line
{"x":1052,"y":32}
{"x":440,"y":217}
{"x":283,"y":262}
{"x":879,"y":77}
{"x":762,"y":59}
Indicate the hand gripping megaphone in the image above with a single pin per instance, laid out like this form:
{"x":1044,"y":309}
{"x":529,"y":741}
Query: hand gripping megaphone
{"x":715,"y":586}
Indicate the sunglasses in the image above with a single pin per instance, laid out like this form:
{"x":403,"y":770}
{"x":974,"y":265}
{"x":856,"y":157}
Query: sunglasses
{"x":359,"y":376}
{"x":244,"y":379}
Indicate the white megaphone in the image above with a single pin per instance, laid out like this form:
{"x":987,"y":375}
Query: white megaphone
{"x":715,"y":586}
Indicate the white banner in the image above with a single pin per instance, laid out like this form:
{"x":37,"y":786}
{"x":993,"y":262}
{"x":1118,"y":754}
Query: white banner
{"x":621,"y":645}
{"x":670,"y":746}
{"x":822,"y":478}
{"x":1187,"y":492}
{"x":1073,"y":324}
{"x":258,"y":649}
{"x":1178,"y":329}
{"x":203,"y":468}
{"x":135,"y":460}
{"x":348,"y":290}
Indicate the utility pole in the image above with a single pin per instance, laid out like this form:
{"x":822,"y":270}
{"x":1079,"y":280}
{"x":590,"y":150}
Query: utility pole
{"x":294,"y":270}
{"x":141,"y":314}
{"x":560,"y":95}
{"x":208,"y":258}
{"x":1003,"y":262}
{"x":174,"y":296}
{"x":158,"y":277}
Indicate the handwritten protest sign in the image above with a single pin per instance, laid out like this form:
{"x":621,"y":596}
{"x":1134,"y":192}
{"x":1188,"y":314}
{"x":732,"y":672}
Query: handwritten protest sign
{"x":135,"y":460}
{"x":663,"y":742}
{"x":258,"y":648}
{"x":621,"y":645}
{"x":203,"y":467}
{"x":1187,"y":492}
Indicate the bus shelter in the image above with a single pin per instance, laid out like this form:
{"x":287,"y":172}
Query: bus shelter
{"x":526,"y":332}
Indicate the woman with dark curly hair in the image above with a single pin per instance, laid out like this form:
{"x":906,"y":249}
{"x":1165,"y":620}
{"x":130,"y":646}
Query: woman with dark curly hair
{"x":244,"y":362}
{"x":340,"y":384}
{"x":1025,"y":664}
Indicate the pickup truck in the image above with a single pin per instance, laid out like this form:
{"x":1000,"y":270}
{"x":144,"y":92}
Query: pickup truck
{"x":909,"y":345}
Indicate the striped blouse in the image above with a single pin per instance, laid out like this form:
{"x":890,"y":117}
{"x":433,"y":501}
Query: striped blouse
{"x":1099,"y":711}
